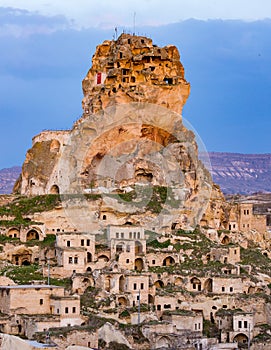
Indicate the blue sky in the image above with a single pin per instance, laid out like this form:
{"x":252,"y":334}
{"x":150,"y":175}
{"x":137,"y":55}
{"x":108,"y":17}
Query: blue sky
{"x":46,"y":50}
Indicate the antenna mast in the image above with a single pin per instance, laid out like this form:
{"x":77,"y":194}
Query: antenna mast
{"x":134,"y":22}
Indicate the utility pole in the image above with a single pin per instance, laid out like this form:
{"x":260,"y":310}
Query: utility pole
{"x":248,"y":344}
{"x":48,"y":271}
{"x":138,"y":320}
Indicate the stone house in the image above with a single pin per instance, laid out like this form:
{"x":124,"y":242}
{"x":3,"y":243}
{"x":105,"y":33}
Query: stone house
{"x":235,"y":326}
{"x":36,"y":301}
{"x":190,"y":321}
{"x":75,"y":253}
{"x":226,"y":255}
{"x":128,"y":246}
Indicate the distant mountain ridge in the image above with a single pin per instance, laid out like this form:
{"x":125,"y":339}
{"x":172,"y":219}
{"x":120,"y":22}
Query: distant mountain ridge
{"x":8,"y":177}
{"x":241,"y":173}
{"x":233,"y":172}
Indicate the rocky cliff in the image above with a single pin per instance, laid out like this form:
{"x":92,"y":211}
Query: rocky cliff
{"x":130,"y":138}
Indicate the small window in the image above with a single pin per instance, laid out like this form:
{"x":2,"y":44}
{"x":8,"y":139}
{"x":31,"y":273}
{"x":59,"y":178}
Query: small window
{"x":153,"y":262}
{"x":223,"y":289}
{"x":240,"y":324}
{"x":245,"y":324}
{"x":134,"y":286}
{"x":138,"y":235}
{"x":57,"y":311}
{"x":199,"y":325}
{"x":141,"y":285}
{"x":88,"y":242}
{"x":196,"y":326}
{"x":66,"y":310}
{"x":128,"y":249}
{"x":104,"y":217}
{"x":127,"y":261}
{"x":68,"y":243}
{"x":41,"y":301}
{"x":70,"y":260}
{"x":137,"y":298}
{"x":82,"y":243}
{"x":76,"y":260}
{"x":117,"y":234}
{"x":74,"y":310}
{"x":122,"y":234}
{"x":235,"y":251}
{"x":159,"y":307}
{"x":130,"y":235}
{"x":134,"y":234}
{"x":167,"y":306}
{"x":231,"y":289}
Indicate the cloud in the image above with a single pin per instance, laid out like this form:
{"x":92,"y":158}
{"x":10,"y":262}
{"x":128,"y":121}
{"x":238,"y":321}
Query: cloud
{"x":108,"y":13}
{"x":18,"y":22}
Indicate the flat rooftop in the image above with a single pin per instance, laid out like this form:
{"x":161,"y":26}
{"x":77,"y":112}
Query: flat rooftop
{"x":30,"y":286}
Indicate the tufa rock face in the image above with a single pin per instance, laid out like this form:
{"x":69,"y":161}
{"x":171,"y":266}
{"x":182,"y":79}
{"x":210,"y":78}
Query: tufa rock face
{"x":130,"y":138}
{"x":132,"y":69}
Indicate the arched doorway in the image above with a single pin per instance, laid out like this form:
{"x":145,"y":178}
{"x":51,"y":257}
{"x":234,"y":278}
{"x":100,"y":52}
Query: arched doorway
{"x":163,"y":342}
{"x":31,"y":235}
{"x":168,"y":261}
{"x":178,"y":281}
{"x":122,"y":301}
{"x":54,"y":189}
{"x":14,"y":233}
{"x":139,"y":264}
{"x":241,"y":339}
{"x":159,"y":284}
{"x":103,"y":258}
{"x":89,"y":257}
{"x":225,"y":240}
{"x":208,"y":285}
{"x":121,"y":284}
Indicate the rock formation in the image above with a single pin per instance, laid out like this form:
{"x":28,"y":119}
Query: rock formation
{"x":130,"y":138}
